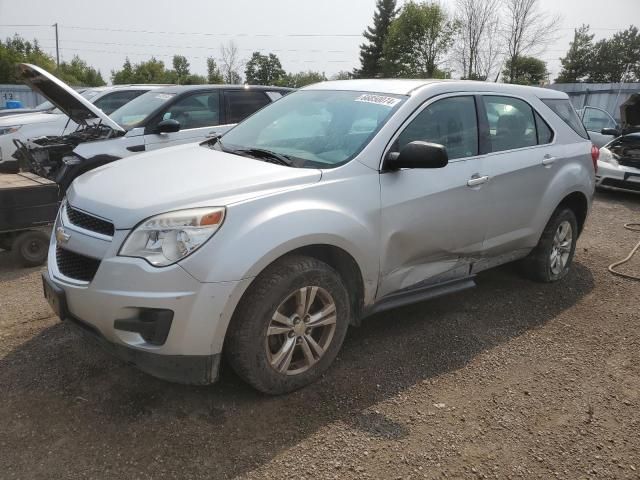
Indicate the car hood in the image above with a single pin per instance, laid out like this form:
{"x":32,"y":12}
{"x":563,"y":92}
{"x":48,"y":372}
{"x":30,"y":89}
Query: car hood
{"x":78,"y":108}
{"x":132,"y":189}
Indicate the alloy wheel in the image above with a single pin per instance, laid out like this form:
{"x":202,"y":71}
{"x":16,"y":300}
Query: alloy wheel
{"x":301,"y":330}
{"x":561,"y":248}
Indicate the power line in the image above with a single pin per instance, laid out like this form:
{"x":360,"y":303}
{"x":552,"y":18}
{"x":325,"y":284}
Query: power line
{"x":171,"y":55}
{"x":104,"y":29}
{"x":75,"y":27}
{"x":203,"y":47}
{"x":23,"y":26}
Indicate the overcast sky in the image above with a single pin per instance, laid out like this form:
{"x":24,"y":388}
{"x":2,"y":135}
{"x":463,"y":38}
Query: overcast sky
{"x":321,"y":35}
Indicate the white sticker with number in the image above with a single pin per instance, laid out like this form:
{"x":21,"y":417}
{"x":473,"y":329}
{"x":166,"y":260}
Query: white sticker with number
{"x":378,"y":100}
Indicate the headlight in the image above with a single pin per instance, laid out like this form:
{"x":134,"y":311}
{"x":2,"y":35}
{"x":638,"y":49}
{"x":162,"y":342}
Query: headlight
{"x":12,"y":129}
{"x":167,"y":238}
{"x":607,"y":156}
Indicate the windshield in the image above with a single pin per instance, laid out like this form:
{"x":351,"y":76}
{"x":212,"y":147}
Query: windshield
{"x":314,"y":128}
{"x":133,"y":114}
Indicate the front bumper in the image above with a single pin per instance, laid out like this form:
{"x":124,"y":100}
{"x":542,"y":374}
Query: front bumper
{"x":621,"y":178}
{"x":123,"y":289}
{"x":187,"y":369}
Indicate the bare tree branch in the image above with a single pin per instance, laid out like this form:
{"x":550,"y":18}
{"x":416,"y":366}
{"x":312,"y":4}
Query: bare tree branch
{"x":527,"y":29}
{"x":476,"y":50}
{"x":231,"y":65}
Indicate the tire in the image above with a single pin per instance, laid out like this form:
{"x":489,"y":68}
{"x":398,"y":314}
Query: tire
{"x":540,"y":265}
{"x":274,"y":312}
{"x":30,"y":248}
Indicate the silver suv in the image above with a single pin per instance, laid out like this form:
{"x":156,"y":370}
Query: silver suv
{"x":337,"y":201}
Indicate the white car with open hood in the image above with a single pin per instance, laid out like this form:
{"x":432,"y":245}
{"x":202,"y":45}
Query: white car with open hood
{"x":166,"y":116}
{"x":47,"y":120}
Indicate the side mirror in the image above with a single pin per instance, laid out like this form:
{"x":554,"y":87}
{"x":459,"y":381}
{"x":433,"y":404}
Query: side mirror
{"x":610,"y":131}
{"x":418,"y":155}
{"x":168,"y":126}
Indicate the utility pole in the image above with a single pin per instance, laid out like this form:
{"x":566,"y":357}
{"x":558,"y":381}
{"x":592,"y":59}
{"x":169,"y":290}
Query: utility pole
{"x":57,"y":46}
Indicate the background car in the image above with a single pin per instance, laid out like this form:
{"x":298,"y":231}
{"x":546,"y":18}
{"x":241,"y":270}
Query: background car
{"x":619,"y":164}
{"x":603,"y":128}
{"x":43,"y":107}
{"x":164,"y":117}
{"x":48,"y":120}
{"x":595,"y":120}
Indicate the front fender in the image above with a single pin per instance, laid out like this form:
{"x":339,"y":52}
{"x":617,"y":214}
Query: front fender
{"x":341,"y":212}
{"x":257,"y":243}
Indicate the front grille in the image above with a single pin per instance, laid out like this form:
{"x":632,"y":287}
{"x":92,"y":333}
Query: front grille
{"x":630,"y":162}
{"x":89,"y":222}
{"x":612,"y":182}
{"x":76,"y":266}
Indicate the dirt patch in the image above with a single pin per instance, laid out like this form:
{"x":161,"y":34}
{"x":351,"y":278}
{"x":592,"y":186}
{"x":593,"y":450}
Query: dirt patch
{"x":513,"y":379}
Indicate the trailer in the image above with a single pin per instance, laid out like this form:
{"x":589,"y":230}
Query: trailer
{"x":28,"y":207}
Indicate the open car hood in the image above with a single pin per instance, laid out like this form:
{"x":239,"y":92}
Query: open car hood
{"x":630,"y":112}
{"x":78,"y":108}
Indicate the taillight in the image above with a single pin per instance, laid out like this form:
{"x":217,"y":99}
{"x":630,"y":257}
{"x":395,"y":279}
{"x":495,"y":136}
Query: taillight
{"x":595,"y":155}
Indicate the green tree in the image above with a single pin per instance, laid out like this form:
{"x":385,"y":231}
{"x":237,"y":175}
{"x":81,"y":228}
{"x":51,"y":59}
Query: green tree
{"x":342,"y":75}
{"x":418,"y":41}
{"x":180,"y":69}
{"x":301,"y":79}
{"x":577,"y":62}
{"x":264,"y":70}
{"x":617,"y":59}
{"x":525,"y":71}
{"x":77,"y":72}
{"x":214,"y":75}
{"x":194,"y":79}
{"x":371,"y":53}
{"x":16,"y":50}
{"x":124,"y":76}
{"x":151,"y":71}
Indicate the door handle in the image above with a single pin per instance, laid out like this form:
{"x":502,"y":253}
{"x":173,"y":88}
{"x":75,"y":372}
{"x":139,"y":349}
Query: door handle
{"x":548,"y":160}
{"x":475,"y":181}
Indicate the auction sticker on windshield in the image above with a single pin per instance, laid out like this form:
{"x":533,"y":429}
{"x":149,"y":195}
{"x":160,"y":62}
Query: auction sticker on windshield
{"x":378,"y":100}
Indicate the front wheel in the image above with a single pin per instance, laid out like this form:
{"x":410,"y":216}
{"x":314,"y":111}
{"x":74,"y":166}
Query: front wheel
{"x":551,"y":259}
{"x":289,"y":326}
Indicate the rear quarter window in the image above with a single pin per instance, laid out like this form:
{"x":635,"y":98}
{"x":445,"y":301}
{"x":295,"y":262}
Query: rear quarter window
{"x":563,"y":108}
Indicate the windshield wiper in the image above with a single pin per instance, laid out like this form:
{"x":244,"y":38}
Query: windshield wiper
{"x":266,"y":155}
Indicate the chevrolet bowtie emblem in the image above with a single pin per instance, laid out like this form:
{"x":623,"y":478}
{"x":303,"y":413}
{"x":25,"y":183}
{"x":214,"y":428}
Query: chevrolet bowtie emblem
{"x":62,"y":236}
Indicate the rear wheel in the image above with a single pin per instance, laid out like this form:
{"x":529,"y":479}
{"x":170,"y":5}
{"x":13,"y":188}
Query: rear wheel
{"x":551,"y":259}
{"x":290,"y":325}
{"x":31,"y":248}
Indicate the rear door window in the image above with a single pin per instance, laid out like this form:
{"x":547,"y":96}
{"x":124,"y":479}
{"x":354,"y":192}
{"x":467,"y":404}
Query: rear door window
{"x":511,"y":123}
{"x":563,"y":108}
{"x":545,"y":134}
{"x":239,"y":104}
{"x":451,"y":122}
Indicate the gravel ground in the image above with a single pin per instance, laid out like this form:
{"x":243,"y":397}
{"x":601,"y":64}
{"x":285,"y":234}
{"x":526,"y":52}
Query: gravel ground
{"x":512,"y":379}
